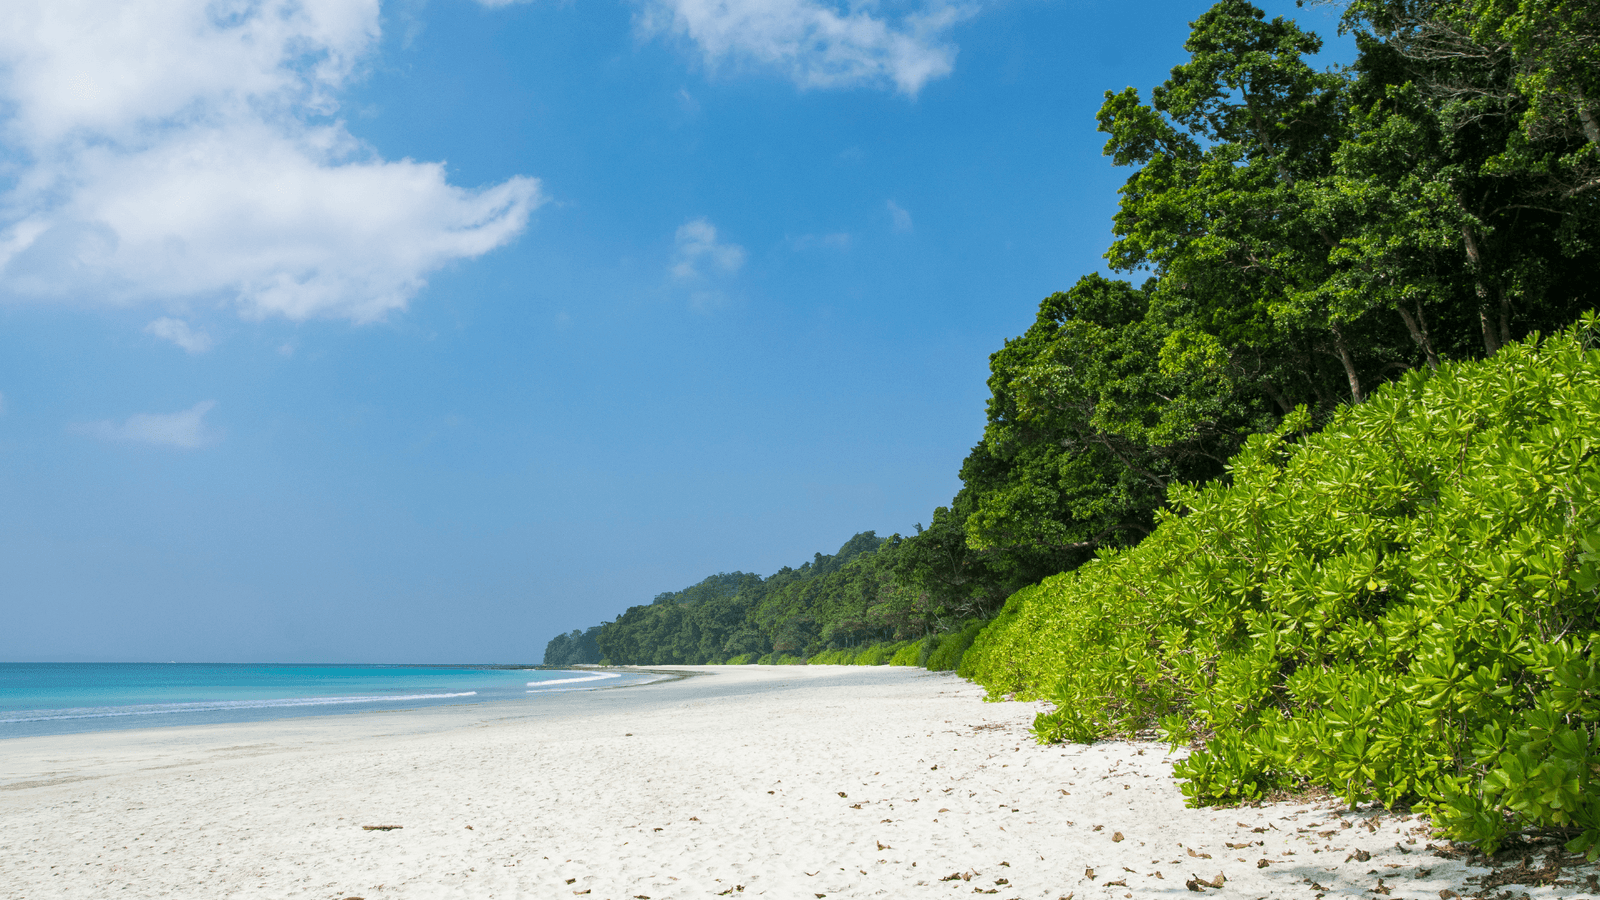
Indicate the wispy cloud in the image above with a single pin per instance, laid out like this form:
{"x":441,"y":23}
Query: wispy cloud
{"x":192,"y":340}
{"x":184,"y":430}
{"x":166,"y":149}
{"x":900,"y":218}
{"x":699,"y":253}
{"x":817,"y":43}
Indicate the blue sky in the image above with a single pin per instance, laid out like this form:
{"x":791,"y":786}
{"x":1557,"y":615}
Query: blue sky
{"x":425,"y":331}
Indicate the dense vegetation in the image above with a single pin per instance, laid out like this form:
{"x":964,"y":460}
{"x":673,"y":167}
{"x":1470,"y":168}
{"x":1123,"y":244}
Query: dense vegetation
{"x":844,"y":609}
{"x":576,"y":649}
{"x":1403,"y":607}
{"x":841,"y":608}
{"x":1307,"y":236}
{"x":1390,"y":588}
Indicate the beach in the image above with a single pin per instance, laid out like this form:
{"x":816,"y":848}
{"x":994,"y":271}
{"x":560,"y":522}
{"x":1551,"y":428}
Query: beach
{"x":787,"y":781}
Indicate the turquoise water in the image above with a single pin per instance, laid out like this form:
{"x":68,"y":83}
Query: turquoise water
{"x":67,"y":698}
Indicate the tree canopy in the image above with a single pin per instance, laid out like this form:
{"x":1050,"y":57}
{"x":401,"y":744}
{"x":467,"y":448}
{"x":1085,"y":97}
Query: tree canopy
{"x":1287,"y":240}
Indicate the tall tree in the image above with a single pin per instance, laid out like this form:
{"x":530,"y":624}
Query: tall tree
{"x":1228,"y":152}
{"x":1467,"y":183}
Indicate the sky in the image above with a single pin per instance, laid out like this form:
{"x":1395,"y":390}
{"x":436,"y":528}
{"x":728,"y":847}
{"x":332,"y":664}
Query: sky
{"x":425,"y":330}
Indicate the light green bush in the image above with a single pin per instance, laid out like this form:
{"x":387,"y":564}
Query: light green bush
{"x":908,"y":654}
{"x":743,"y":659}
{"x":1401,"y":608}
{"x":947,"y":653}
{"x":840,"y":657}
{"x":875,"y":655}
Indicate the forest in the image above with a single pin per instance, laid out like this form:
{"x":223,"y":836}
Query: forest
{"x":1293,"y":237}
{"x":1309,"y":487}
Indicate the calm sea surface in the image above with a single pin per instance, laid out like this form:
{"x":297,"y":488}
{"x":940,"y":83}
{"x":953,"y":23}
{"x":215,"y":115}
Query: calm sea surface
{"x":65,"y":698}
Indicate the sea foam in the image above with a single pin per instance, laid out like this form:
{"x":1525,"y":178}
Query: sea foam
{"x":598,"y":677}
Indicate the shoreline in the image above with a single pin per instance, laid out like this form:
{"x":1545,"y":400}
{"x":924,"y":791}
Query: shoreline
{"x":782,"y":781}
{"x":242,"y":703}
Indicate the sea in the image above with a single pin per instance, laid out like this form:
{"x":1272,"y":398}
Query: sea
{"x":70,"y":698}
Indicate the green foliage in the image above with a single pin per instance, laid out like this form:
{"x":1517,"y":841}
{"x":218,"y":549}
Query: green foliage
{"x":1534,"y":63}
{"x":946,"y":656}
{"x":876,"y":655}
{"x":577,"y":648}
{"x":908,"y":655}
{"x":1402,"y":607}
{"x":833,"y":602}
{"x":1311,"y":235}
{"x":844,"y":609}
{"x":840,"y":657}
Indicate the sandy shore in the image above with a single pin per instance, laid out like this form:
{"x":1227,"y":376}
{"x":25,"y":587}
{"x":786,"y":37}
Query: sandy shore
{"x":790,"y":782}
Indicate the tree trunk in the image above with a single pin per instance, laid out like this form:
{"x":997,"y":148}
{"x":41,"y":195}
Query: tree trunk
{"x":1491,"y":343}
{"x":1591,"y":128}
{"x":1349,"y":362}
{"x":1491,"y":346}
{"x":1419,"y":333}
{"x":1277,"y":396}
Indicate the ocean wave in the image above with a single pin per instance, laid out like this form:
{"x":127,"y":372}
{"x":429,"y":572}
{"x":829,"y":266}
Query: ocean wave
{"x":545,"y":684}
{"x":104,"y":712}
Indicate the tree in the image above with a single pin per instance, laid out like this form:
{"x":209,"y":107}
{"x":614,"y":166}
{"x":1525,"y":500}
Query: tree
{"x":574,"y":649}
{"x":1227,"y":150}
{"x":1466,"y":183}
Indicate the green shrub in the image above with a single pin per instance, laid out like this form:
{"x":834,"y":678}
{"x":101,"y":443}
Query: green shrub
{"x":743,"y":659}
{"x":840,"y":657}
{"x":908,"y":654}
{"x":1401,"y":608}
{"x":946,"y":655}
{"x":875,"y":655}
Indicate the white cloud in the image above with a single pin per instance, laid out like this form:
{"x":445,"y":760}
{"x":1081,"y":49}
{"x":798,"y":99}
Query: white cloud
{"x":699,"y":253}
{"x":901,"y":218}
{"x":180,"y":149}
{"x":178,"y":332}
{"x":185,"y":429}
{"x":817,"y":43}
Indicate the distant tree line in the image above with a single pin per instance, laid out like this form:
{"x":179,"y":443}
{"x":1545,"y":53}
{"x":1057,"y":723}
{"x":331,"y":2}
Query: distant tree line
{"x":842,"y":600}
{"x":1302,"y":237}
{"x":579,"y":648}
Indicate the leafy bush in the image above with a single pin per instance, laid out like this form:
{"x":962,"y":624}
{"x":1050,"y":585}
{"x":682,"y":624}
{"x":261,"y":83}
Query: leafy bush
{"x":743,"y":659}
{"x":840,"y":657}
{"x":946,"y":655}
{"x":876,"y":655}
{"x":908,"y":655}
{"x":1401,"y":608}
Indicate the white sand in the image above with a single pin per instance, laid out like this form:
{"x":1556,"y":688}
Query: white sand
{"x":789,"y":782}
